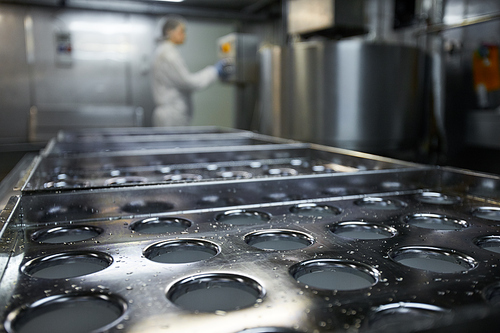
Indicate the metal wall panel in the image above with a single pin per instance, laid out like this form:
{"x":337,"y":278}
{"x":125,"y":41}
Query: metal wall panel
{"x":97,"y":73}
{"x":14,"y":76}
{"x":107,"y":64}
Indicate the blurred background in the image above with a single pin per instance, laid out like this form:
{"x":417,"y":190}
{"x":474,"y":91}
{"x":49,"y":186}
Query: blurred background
{"x":417,"y":80}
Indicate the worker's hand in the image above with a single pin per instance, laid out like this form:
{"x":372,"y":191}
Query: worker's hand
{"x":224,"y":68}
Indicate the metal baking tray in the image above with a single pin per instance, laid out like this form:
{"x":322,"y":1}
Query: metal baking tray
{"x":209,"y":164}
{"x":386,"y":251}
{"x":138,"y":133}
{"x":119,"y":144}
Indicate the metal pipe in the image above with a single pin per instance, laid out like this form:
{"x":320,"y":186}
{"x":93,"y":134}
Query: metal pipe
{"x":464,"y":23}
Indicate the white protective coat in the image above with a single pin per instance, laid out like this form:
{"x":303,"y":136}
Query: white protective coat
{"x":173,"y":84}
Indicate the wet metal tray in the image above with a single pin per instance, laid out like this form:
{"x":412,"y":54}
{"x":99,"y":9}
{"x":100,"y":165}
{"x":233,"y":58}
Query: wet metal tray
{"x":134,"y":134}
{"x":387,"y":251}
{"x":151,"y":143}
{"x":191,"y":165}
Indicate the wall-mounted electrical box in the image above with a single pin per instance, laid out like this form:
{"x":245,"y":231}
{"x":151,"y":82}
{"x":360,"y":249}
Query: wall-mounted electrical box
{"x":64,"y":49}
{"x":240,"y":50}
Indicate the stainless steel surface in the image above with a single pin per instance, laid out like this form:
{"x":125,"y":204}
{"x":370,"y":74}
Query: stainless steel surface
{"x":331,"y":282}
{"x":45,"y":124}
{"x":155,"y":143}
{"x":359,"y":251}
{"x":14,"y":77}
{"x":353,"y":94}
{"x":270,"y":90}
{"x":482,"y":128}
{"x":195,"y":164}
{"x":12,"y":183}
{"x":137,"y":134}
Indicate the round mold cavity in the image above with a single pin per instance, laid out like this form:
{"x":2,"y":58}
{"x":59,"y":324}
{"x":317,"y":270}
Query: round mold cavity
{"x":380,"y":203}
{"x":334,"y":274}
{"x":237,"y":174}
{"x":436,"y":222}
{"x":147,"y":207}
{"x":64,"y":184}
{"x":363,"y":230}
{"x":67,"y":265}
{"x":282,"y":172}
{"x":215,"y":292}
{"x":62,"y":212}
{"x":65,"y":234}
{"x":490,"y":243}
{"x":183,"y":177}
{"x":281,"y":196}
{"x":181,"y":251}
{"x":437,"y":198}
{"x":433,"y":259}
{"x":129,"y":180}
{"x":160,"y":225}
{"x":492,"y":294}
{"x":313,"y":209}
{"x":217,"y":201}
{"x":67,"y":313}
{"x":243,"y":217}
{"x":488,"y":213}
{"x":279,"y":240}
{"x":412,"y":317}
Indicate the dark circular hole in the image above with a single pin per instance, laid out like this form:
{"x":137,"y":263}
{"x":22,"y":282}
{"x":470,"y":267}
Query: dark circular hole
{"x":490,"y":243}
{"x":282,"y":172}
{"x":412,"y":316}
{"x":65,"y":234}
{"x":433,"y":259}
{"x":67,"y":265}
{"x":130,"y":180}
{"x":215,"y":292}
{"x":435,"y":221}
{"x":160,"y":225}
{"x":437,"y":198}
{"x":147,"y":207}
{"x":181,"y":251}
{"x":313,"y":209}
{"x":183,"y":177}
{"x":243,"y":217}
{"x":68,"y":313}
{"x":363,"y":230}
{"x":333,"y":274}
{"x":64,"y":184}
{"x":279,"y":240}
{"x":235,"y":174}
{"x":380,"y":203}
{"x":489,"y":213}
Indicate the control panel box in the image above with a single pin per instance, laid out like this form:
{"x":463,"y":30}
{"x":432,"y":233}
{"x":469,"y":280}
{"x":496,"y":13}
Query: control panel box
{"x":240,"y":51}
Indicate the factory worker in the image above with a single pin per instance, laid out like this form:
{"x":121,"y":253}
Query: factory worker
{"x":172,"y":82}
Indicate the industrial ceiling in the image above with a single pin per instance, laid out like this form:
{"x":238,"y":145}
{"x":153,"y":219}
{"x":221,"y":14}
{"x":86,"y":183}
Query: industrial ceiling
{"x":229,"y":9}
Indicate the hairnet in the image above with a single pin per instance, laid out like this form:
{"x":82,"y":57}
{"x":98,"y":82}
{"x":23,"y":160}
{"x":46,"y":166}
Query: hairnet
{"x":171,"y":22}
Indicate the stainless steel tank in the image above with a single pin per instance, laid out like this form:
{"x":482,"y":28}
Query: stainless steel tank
{"x":353,"y":94}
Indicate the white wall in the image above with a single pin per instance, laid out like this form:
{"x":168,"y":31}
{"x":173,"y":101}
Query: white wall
{"x":216,"y":104}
